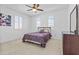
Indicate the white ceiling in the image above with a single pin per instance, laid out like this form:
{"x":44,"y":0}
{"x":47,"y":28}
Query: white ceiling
{"x":46,"y":7}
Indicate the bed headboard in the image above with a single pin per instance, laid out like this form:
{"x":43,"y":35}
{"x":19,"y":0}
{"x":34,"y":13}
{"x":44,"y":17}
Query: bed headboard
{"x":46,"y":29}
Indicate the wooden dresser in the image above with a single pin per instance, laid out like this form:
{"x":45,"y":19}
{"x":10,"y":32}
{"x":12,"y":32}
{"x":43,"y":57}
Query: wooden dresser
{"x":70,"y":44}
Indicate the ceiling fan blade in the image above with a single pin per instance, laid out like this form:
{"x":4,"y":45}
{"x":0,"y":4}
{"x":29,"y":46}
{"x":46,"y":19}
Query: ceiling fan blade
{"x":40,"y":9}
{"x":29,"y":9}
{"x":37,"y":5}
{"x":28,"y":6}
{"x":34,"y":6}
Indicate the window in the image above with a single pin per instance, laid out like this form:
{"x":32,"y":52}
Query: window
{"x":51,"y":21}
{"x":38,"y":22}
{"x":18,"y":22}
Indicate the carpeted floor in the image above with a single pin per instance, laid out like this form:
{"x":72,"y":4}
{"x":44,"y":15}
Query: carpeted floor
{"x":17,"y":47}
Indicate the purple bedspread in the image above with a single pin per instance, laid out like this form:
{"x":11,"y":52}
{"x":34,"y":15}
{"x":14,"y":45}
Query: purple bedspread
{"x":38,"y":37}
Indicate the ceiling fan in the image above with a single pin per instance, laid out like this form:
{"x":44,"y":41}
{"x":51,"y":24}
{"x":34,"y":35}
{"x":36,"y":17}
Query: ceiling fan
{"x":34,"y":8}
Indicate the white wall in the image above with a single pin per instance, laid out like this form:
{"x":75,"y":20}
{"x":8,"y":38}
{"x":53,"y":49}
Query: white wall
{"x":8,"y":33}
{"x":61,"y":22}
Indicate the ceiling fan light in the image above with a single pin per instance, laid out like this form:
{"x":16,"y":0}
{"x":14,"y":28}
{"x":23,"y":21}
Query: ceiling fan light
{"x":34,"y":10}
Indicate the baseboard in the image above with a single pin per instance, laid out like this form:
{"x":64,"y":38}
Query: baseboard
{"x":7,"y":41}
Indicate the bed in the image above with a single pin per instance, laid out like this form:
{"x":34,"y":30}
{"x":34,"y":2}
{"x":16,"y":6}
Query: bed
{"x":41,"y":37}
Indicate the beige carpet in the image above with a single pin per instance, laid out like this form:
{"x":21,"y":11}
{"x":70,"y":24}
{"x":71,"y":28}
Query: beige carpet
{"x":17,"y":47}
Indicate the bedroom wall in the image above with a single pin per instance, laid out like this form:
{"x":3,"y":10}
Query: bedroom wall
{"x":8,"y":33}
{"x":61,"y":21}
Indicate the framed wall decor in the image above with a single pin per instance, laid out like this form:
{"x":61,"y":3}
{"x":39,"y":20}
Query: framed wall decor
{"x":5,"y":20}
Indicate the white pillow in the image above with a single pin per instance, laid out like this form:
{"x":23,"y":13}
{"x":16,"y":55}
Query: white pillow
{"x":46,"y":30}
